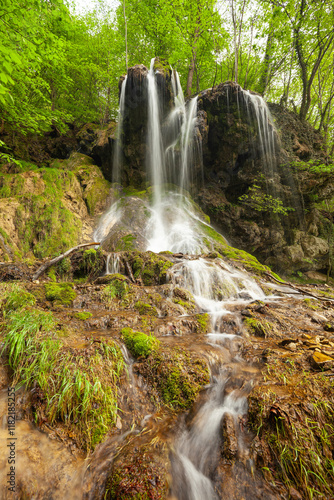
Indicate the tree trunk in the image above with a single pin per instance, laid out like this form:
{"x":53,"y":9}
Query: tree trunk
{"x":126,"y":36}
{"x":191,"y":71}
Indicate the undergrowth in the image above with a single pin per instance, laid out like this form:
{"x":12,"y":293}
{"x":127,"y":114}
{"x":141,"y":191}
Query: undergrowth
{"x":78,"y":386}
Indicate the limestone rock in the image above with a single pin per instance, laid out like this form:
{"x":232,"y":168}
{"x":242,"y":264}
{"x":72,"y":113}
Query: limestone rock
{"x":314,"y":247}
{"x":295,"y":253}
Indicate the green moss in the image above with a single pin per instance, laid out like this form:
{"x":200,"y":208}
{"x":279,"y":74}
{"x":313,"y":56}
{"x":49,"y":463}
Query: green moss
{"x":92,"y":263}
{"x":203,"y":323}
{"x":152,"y":268}
{"x":312,"y":304}
{"x":60,"y":293}
{"x":147,"y":309}
{"x":247,"y":260}
{"x":118,"y":287}
{"x":98,"y":190}
{"x":188,"y":306}
{"x":138,"y":343}
{"x":83,"y":315}
{"x":132,"y":191}
{"x":51,"y":273}
{"x":64,"y":267}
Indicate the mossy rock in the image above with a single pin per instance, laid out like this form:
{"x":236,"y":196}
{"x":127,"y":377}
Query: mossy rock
{"x":147,"y":309}
{"x":96,"y":194}
{"x":150,"y":267}
{"x":138,"y":343}
{"x":178,"y":376}
{"x":203,"y":323}
{"x":83,"y":315}
{"x":217,"y":242}
{"x":258,"y":328}
{"x":60,"y":293}
{"x":89,"y":263}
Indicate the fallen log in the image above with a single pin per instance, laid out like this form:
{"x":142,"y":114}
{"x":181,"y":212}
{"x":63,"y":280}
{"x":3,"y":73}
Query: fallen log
{"x":298,"y":289}
{"x":51,"y":262}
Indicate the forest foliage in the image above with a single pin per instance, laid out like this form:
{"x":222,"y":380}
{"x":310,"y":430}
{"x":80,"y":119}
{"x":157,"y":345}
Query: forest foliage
{"x":60,"y":66}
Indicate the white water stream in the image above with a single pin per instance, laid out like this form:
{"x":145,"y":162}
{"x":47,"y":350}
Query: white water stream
{"x":215,"y":285}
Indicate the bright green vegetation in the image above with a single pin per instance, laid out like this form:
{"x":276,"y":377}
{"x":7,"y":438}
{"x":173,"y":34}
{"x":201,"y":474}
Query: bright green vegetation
{"x":152,"y":268}
{"x":15,"y":297}
{"x":125,"y":243}
{"x":92,"y":263}
{"x":138,"y":343}
{"x":259,"y":200}
{"x":143,"y":308}
{"x":60,"y":293}
{"x":119,"y":287}
{"x":188,"y":306}
{"x":63,"y":71}
{"x":83,"y":315}
{"x":77,"y":386}
{"x":203,"y":323}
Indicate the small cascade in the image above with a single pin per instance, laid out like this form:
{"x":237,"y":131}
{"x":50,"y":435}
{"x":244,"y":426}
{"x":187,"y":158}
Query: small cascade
{"x":215,"y":286}
{"x":117,"y":160}
{"x":258,"y":110}
{"x":113,"y":263}
{"x":107,"y":221}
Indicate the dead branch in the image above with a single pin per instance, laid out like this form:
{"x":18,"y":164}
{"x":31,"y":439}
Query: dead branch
{"x":51,"y":262}
{"x":299,"y":290}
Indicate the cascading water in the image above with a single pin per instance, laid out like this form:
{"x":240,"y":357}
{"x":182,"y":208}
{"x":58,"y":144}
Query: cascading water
{"x":258,"y":109}
{"x":172,"y":214}
{"x":117,"y":163}
{"x":217,"y":287}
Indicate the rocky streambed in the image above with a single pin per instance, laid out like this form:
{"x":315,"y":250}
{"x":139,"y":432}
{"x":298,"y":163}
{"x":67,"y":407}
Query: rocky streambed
{"x":118,"y":368}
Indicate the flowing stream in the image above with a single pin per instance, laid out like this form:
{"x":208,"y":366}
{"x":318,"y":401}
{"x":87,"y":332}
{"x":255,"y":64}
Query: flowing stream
{"x":216,"y":286}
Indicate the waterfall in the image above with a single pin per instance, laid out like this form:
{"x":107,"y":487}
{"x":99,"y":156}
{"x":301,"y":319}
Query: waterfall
{"x":172,"y":223}
{"x":113,"y":263}
{"x":117,"y":160}
{"x":257,"y":109}
{"x":218,"y":288}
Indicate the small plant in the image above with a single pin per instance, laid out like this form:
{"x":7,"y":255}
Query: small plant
{"x":262,"y":202}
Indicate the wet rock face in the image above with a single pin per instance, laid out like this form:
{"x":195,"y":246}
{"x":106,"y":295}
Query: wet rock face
{"x":232,"y":152}
{"x":134,"y":134}
{"x":234,"y":163}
